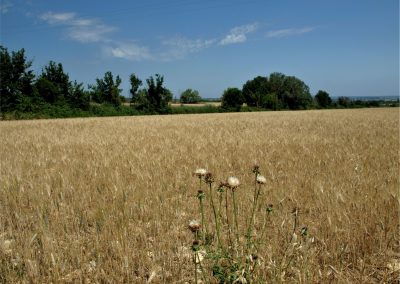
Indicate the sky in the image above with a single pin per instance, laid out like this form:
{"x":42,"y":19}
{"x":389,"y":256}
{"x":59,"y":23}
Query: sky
{"x":345,"y":47}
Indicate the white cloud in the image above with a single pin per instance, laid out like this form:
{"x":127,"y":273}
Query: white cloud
{"x":79,"y":29}
{"x":57,"y":18}
{"x":289,"y":32}
{"x":90,"y":33}
{"x":129,"y":51}
{"x":238,"y":34}
{"x":179,"y":47}
{"x":5,"y":7}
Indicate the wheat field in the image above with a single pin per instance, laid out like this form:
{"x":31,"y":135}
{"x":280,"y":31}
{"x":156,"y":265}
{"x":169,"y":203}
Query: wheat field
{"x":109,"y":199}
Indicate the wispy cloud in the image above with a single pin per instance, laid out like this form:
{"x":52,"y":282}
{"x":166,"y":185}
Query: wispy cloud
{"x":90,"y":33}
{"x":129,"y":51}
{"x":79,"y":29}
{"x":289,"y":32}
{"x":57,"y":18}
{"x":238,"y":34}
{"x":92,"y":30}
{"x":180,"y":47}
{"x":5,"y":7}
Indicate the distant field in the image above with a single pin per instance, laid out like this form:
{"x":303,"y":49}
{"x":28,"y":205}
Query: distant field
{"x":216,"y":104}
{"x":109,"y":199}
{"x":191,"y":105}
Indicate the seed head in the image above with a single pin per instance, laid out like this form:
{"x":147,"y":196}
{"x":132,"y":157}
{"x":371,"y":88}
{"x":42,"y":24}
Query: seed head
{"x":256,"y":169}
{"x":261,"y":179}
{"x":200,"y":172}
{"x":233,"y":182}
{"x":209,"y":178}
{"x":195,"y":245}
{"x":221,"y":186}
{"x":194,"y":226}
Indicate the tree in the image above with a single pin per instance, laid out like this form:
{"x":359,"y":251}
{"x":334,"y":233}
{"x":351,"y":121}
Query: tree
{"x":135,"y":84}
{"x":78,"y":97}
{"x":270,"y":101}
{"x":232,"y":99}
{"x":254,"y":91}
{"x":344,"y":101}
{"x":158,"y":96}
{"x":323,"y":99}
{"x":53,"y":84}
{"x":15,"y":79}
{"x":190,"y":96}
{"x":107,"y":90}
{"x":296,"y":93}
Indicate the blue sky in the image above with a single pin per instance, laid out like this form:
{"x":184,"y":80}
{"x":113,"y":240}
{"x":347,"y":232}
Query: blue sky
{"x":345,"y":47}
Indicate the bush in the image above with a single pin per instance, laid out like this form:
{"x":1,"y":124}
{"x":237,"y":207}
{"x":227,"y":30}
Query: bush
{"x":232,"y":99}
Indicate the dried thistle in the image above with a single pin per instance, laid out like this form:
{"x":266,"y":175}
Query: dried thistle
{"x":208,"y":178}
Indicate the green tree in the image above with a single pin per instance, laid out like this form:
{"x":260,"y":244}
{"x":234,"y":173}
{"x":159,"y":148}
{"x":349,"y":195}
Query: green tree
{"x":271,"y":101}
{"x":296,"y":94}
{"x":53,"y":84}
{"x":135,"y":84}
{"x":190,"y":96}
{"x":157,"y":95}
{"x":107,"y":90}
{"x":15,"y":79}
{"x":276,"y":83}
{"x":323,"y":99}
{"x":78,"y":97}
{"x":232,"y":99}
{"x":344,"y":102}
{"x":254,"y":91}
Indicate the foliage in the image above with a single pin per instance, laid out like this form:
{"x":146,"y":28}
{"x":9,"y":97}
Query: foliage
{"x":190,"y":96}
{"x":296,"y":94}
{"x":344,"y":102}
{"x":78,"y":97}
{"x":232,"y":99}
{"x":22,"y":95}
{"x":231,"y":254}
{"x":15,"y":79}
{"x":107,"y":90}
{"x":135,"y":84}
{"x":155,"y":98}
{"x":255,"y":90}
{"x":277,"y":91}
{"x":323,"y":99}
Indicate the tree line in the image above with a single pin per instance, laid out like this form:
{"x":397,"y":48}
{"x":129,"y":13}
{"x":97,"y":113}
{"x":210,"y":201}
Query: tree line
{"x":22,"y":91}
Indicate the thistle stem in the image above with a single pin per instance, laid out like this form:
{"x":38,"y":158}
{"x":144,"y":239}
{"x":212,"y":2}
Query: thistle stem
{"x":203,"y":225}
{"x":215,"y":217}
{"x":235,"y":216}
{"x":250,"y":228}
{"x":227,"y":217}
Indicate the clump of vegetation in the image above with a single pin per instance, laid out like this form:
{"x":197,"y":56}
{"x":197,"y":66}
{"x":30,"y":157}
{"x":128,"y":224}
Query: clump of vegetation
{"x":227,"y":251}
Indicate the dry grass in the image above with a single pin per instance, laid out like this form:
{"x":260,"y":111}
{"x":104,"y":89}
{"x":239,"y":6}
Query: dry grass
{"x":109,"y":199}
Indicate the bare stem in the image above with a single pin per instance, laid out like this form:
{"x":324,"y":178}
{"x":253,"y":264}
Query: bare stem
{"x":215,"y":217}
{"x":235,"y":216}
{"x":227,"y":217}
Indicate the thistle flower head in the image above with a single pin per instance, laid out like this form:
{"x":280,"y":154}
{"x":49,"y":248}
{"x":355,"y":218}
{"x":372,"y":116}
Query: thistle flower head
{"x":209,"y":178}
{"x":200,"y":172}
{"x":221,"y":186}
{"x":194,"y":226}
{"x":256,"y":169}
{"x":233,"y":182}
{"x":261,"y":179}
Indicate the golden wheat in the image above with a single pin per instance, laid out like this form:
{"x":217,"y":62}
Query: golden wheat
{"x":109,"y":199}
